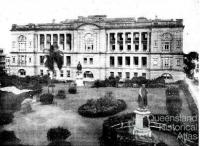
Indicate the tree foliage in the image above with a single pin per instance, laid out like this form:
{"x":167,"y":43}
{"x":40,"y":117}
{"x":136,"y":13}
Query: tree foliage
{"x":54,"y":56}
{"x":188,"y":61}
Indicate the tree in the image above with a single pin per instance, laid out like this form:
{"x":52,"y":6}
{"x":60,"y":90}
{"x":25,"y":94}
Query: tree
{"x":54,"y":56}
{"x":189,"y":64}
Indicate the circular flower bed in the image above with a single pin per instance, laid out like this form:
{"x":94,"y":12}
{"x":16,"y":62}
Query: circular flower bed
{"x":102,"y":107}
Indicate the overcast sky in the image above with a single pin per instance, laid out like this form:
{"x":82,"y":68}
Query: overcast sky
{"x":42,"y":11}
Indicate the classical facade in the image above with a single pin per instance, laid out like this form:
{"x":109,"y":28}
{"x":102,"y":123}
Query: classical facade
{"x":2,"y":59}
{"x":124,"y":47}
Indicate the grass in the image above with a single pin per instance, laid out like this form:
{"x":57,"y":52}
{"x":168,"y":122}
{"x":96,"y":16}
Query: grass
{"x":32,"y":128}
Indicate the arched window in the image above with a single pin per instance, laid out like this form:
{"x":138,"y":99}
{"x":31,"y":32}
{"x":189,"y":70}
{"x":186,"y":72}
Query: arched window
{"x":88,"y":74}
{"x":167,"y":76}
{"x":89,"y":42}
{"x":22,"y":43}
{"x":22,"y":72}
{"x":166,"y":39}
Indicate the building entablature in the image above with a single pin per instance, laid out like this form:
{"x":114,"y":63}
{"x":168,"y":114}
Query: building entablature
{"x":102,"y":22}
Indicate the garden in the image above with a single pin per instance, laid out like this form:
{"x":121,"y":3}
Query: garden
{"x":78,"y":115}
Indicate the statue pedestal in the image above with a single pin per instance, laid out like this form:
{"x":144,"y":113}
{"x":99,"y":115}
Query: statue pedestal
{"x":142,"y":127}
{"x":79,"y":79}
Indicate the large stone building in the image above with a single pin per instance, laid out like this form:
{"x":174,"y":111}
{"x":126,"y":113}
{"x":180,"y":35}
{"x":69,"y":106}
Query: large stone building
{"x":125,"y":47}
{"x":2,"y":60}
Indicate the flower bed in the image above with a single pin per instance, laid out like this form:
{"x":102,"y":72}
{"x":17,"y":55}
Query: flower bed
{"x":102,"y":107}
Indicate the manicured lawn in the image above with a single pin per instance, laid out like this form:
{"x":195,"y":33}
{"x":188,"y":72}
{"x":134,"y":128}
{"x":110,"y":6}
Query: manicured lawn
{"x":32,"y":128}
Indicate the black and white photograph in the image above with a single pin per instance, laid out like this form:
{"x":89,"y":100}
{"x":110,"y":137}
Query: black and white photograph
{"x":99,"y":72}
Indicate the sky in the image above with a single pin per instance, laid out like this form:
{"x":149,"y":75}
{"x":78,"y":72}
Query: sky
{"x":44,"y":11}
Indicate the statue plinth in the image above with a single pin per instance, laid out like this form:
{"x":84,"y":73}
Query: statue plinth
{"x":79,"y":78}
{"x":142,"y":127}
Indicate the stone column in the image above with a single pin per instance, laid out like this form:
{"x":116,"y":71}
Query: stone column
{"x":108,"y":46}
{"x":116,"y":41}
{"x":132,"y":41}
{"x":124,"y":42}
{"x":140,"y":41}
{"x":64,"y":41}
{"x":51,"y":39}
{"x":58,"y":41}
{"x":44,"y":41}
{"x":38,"y":45}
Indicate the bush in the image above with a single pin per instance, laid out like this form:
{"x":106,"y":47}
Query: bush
{"x":6,"y":118}
{"x":161,"y":144}
{"x":101,"y":107}
{"x":172,"y":91}
{"x":72,"y":90}
{"x":59,"y":143}
{"x":98,"y":84}
{"x":61,"y":94}
{"x":139,"y":80}
{"x":58,"y":133}
{"x":8,"y":137}
{"x":46,"y":98}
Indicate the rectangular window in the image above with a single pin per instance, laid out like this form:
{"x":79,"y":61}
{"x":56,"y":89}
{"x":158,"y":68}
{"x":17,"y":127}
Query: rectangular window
{"x":112,"y":74}
{"x":112,"y":61}
{"x":127,"y":75}
{"x":155,"y":43}
{"x":41,"y":72}
{"x":113,"y":47}
{"x":128,"y":47}
{"x":68,"y":58}
{"x":120,"y":75}
{"x":13,"y":60}
{"x":166,"y":62}
{"x":61,"y":73}
{"x":135,"y":61}
{"x":144,"y":75}
{"x":135,"y":74}
{"x":91,"y":60}
{"x":29,"y":60}
{"x":13,"y":44}
{"x":41,"y":41}
{"x":121,"y":47}
{"x":41,"y":60}
{"x":68,"y":73}
{"x":85,"y":60}
{"x":144,"y":61}
{"x":166,"y":46}
{"x":127,"y":60}
{"x":136,"y":47}
{"x":144,"y":47}
{"x":120,"y":61}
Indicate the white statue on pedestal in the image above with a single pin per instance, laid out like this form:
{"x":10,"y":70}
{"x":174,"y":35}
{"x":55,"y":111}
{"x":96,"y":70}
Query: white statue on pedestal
{"x":142,"y":122}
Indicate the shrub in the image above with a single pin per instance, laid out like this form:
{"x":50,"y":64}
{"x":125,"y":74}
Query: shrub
{"x":139,"y":80}
{"x":6,"y":118}
{"x":172,"y":91}
{"x":58,"y":133}
{"x":103,"y":106}
{"x":98,"y":84}
{"x":8,"y":137}
{"x":72,"y":90}
{"x":61,"y":94}
{"x":46,"y":98}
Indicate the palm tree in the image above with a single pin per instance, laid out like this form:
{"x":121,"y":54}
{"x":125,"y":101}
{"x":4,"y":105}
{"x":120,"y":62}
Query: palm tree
{"x":54,"y":56}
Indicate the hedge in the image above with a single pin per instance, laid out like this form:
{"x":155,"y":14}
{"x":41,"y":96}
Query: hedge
{"x":61,"y":94}
{"x":58,"y":133}
{"x":46,"y":98}
{"x":102,"y":107}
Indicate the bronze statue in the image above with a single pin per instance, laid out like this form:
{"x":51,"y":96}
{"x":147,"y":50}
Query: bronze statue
{"x":142,"y":97}
{"x":79,"y":66}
